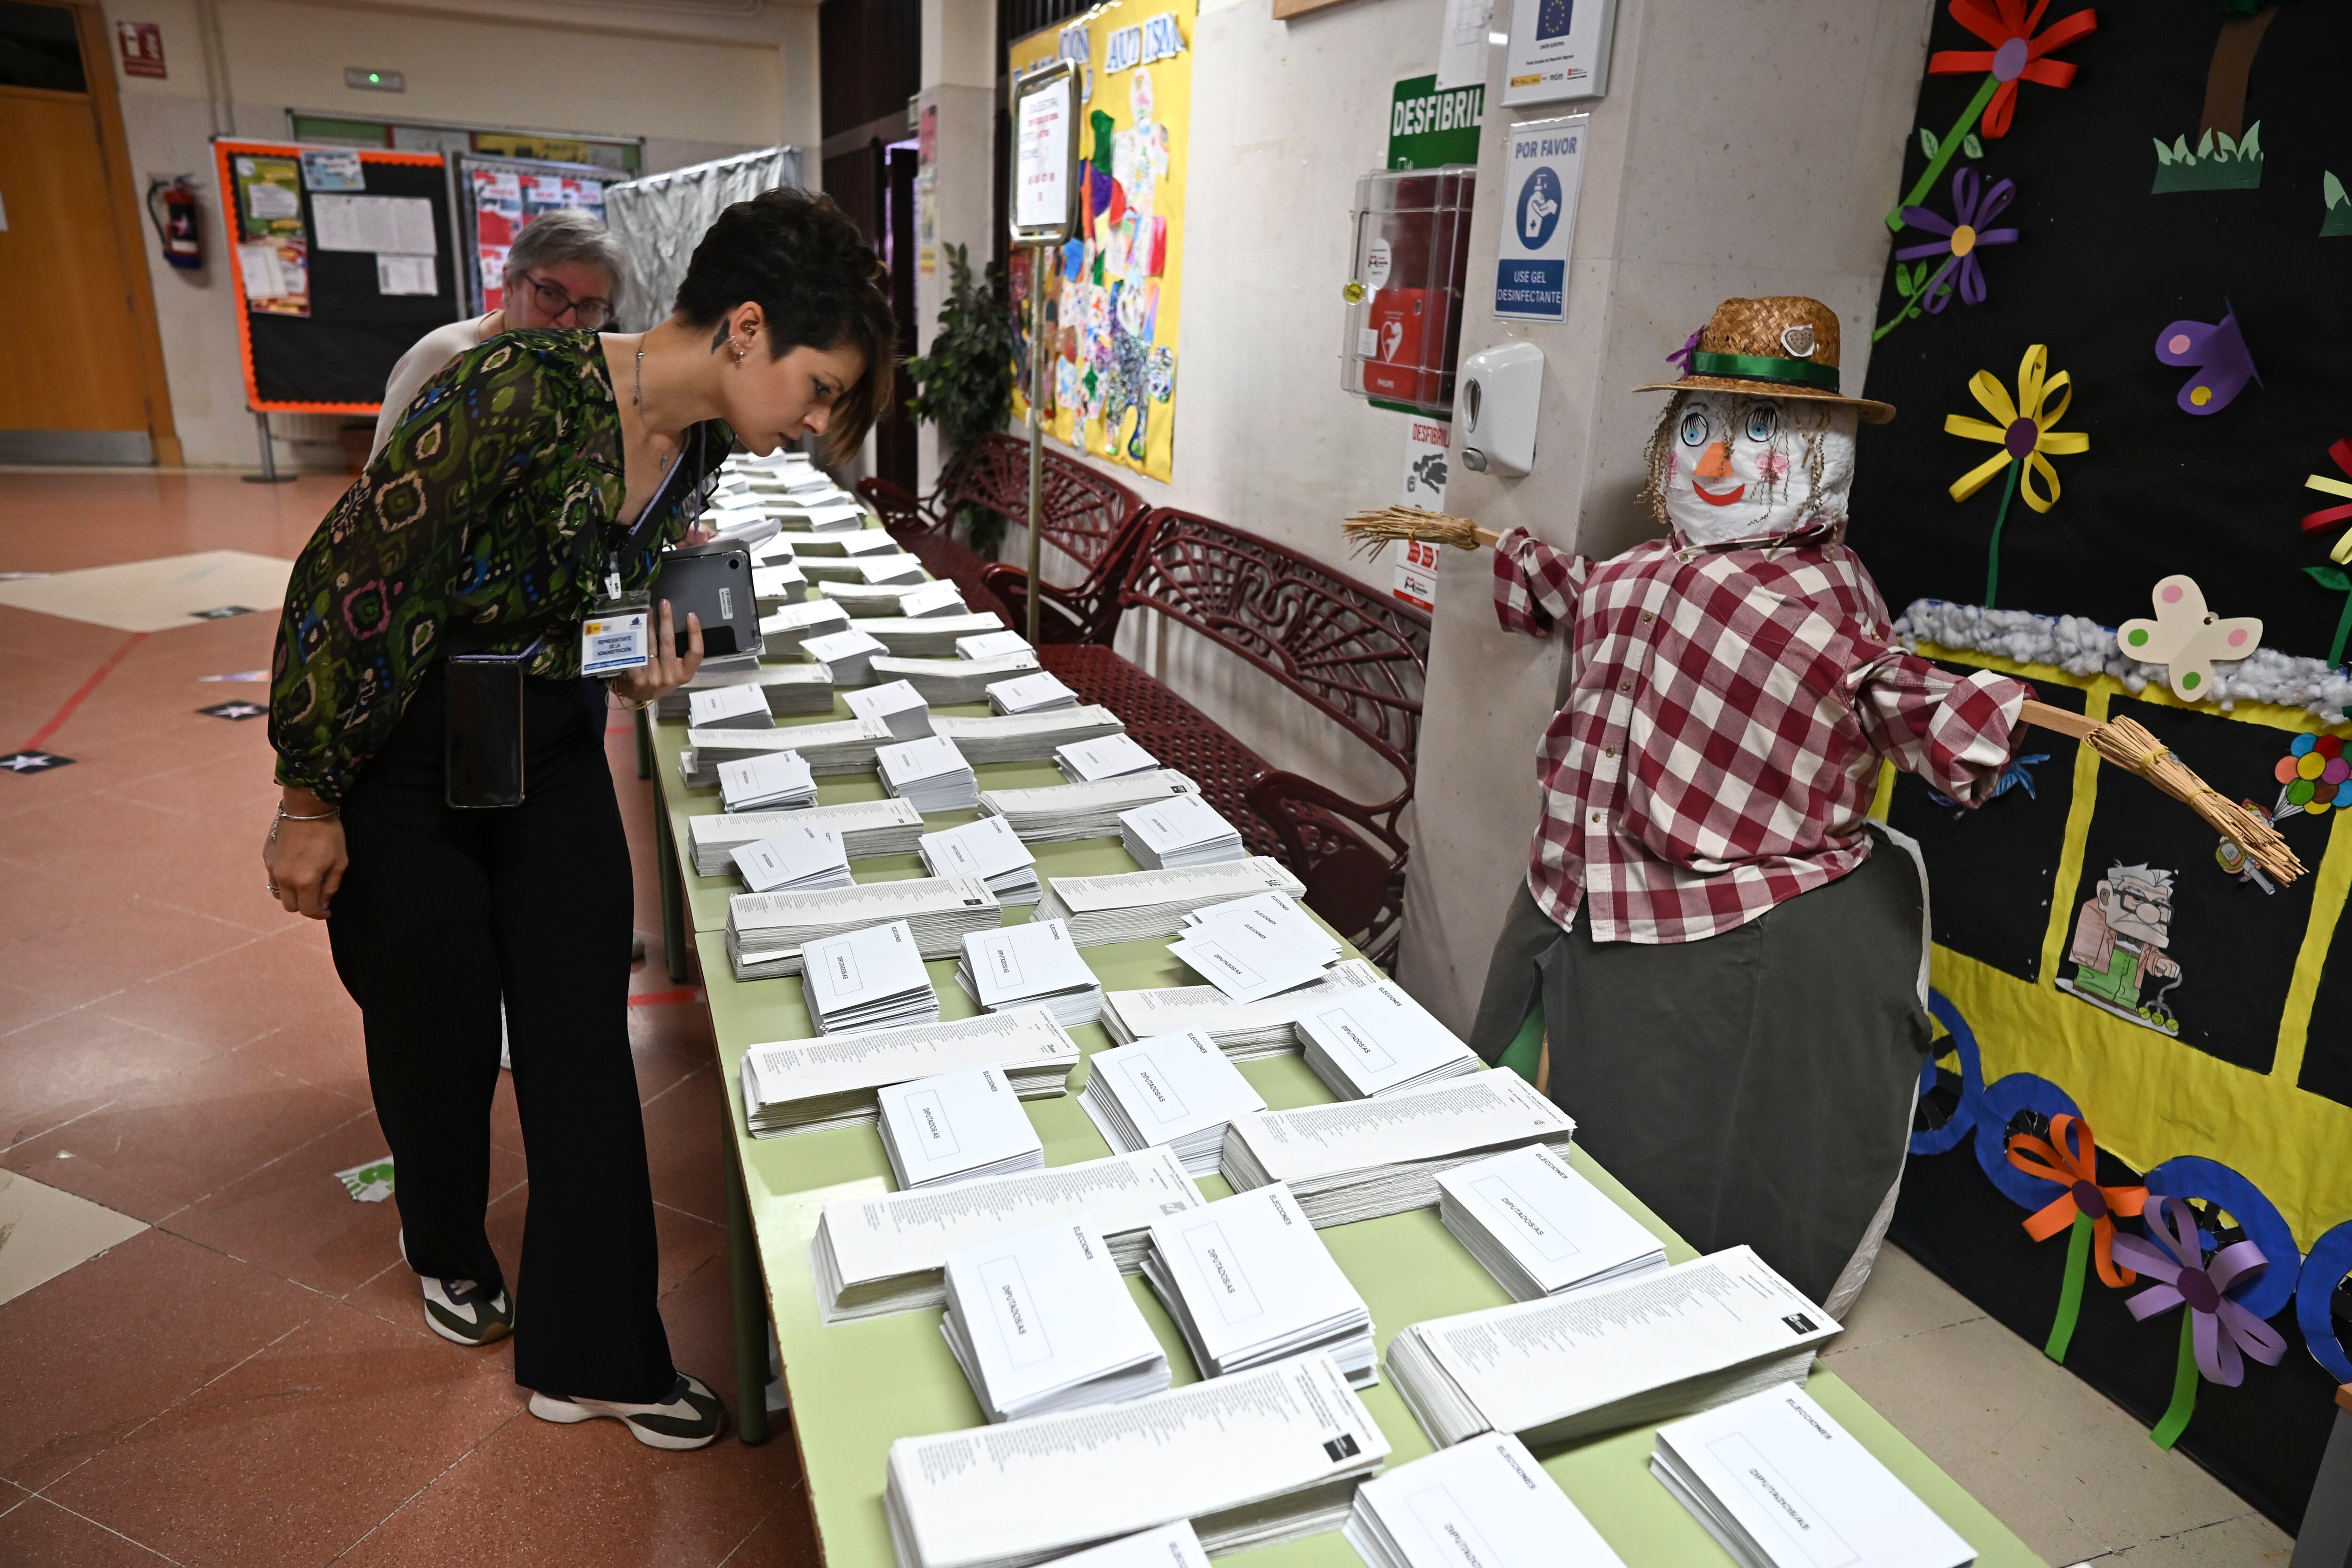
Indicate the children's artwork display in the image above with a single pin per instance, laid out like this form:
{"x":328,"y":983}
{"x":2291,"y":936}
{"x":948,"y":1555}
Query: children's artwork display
{"x":2157,"y":181}
{"x":499,"y":196}
{"x":1111,"y":294}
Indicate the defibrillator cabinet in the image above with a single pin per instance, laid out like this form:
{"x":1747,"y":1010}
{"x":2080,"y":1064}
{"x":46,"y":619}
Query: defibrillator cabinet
{"x":1404,"y":288}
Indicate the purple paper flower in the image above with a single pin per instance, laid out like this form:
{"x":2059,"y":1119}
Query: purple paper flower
{"x":1963,"y":235}
{"x":1682,"y":356}
{"x":2221,"y":1328}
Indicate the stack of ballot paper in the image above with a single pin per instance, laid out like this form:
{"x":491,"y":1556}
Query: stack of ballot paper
{"x":1182,"y":831}
{"x":1130,"y":906}
{"x":872,"y":572}
{"x":1377,"y":1041}
{"x":930,"y":773}
{"x":838,"y":582}
{"x":779,"y":781}
{"x":867,"y":827}
{"x":899,"y":705}
{"x":868,"y":979}
{"x":1633,"y":1353}
{"x":1540,"y":1228}
{"x":1055,"y":813}
{"x":1023,"y":737}
{"x":1485,"y":1503}
{"x":1363,"y":1158}
{"x":858,"y":542}
{"x":729,"y":708}
{"x":883,"y":1253}
{"x":1176,"y":1089}
{"x":806,"y":1086}
{"x":933,"y":601}
{"x":990,"y":851}
{"x":1276,"y":912}
{"x":1257,"y":955}
{"x":992,"y":645}
{"x":1251,"y":1459}
{"x":790,"y":689}
{"x":1780,"y":1484}
{"x":794,"y":859}
{"x":1035,"y":966}
{"x":1243,"y":1030}
{"x":1040,"y":1322}
{"x":1169,"y":1546}
{"x":777,"y":586}
{"x":787,"y":631}
{"x":843,"y":746}
{"x":1035,"y":693}
{"x":945,"y":680}
{"x":1248,"y":1281}
{"x":741,"y":525}
{"x":848,"y":654}
{"x":1111,"y":757}
{"x":955,"y":1127}
{"x":765,"y":932}
{"x":910,"y":631}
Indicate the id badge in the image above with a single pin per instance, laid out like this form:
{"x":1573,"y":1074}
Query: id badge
{"x":616,"y":636}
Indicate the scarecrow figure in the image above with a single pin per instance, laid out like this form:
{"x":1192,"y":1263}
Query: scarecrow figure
{"x":1726,"y":961}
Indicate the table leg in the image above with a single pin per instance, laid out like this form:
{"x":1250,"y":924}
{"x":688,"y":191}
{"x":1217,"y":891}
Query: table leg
{"x":673,"y":892}
{"x":750,"y":1306}
{"x":644,"y":718}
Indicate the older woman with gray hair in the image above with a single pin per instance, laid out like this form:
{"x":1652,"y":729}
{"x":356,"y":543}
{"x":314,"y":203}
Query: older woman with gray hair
{"x":565,"y":270}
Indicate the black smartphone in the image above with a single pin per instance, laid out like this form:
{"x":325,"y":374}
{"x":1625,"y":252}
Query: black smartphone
{"x":482,"y":736}
{"x":714,"y":582}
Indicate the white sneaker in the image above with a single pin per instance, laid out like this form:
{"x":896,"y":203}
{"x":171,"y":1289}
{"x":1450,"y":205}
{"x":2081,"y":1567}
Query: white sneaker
{"x":691,"y":1418}
{"x":460,"y":1310}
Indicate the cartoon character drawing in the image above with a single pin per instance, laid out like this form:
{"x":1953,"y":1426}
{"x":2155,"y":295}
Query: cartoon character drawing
{"x":2120,"y":939}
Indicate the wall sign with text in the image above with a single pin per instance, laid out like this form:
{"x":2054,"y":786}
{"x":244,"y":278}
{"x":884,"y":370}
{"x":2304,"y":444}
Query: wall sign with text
{"x":1558,"y":49}
{"x":1543,"y":167}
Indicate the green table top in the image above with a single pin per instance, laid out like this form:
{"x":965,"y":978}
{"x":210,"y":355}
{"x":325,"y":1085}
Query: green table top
{"x":857,"y":1386}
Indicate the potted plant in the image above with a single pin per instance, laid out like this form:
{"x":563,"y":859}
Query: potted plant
{"x":964,"y":385}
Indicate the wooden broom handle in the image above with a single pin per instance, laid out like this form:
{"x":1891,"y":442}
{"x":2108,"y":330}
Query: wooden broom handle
{"x":2048,"y":718}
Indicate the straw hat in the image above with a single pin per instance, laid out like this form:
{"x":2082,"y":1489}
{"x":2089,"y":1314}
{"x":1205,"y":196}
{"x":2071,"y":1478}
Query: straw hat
{"x":1783,"y":346}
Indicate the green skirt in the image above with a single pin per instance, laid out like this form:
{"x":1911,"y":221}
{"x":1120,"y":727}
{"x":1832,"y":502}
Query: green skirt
{"x":1755,"y":1086}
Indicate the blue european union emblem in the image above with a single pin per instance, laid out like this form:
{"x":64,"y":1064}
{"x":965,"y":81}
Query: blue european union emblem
{"x":1552,"y":19}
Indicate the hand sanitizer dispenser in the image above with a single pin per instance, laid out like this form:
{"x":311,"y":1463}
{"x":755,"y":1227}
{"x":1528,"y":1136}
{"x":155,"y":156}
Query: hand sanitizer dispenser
{"x":1500,"y":389}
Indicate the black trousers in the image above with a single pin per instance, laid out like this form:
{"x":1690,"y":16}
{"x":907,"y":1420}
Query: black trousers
{"x":442,"y":913}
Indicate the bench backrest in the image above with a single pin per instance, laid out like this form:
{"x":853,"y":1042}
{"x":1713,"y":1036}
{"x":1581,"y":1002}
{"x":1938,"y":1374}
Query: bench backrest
{"x":1085,"y":512}
{"x":1357,"y":654}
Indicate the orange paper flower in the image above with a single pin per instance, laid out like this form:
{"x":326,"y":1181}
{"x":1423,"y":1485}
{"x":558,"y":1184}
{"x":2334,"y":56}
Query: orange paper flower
{"x":2075,"y":1168}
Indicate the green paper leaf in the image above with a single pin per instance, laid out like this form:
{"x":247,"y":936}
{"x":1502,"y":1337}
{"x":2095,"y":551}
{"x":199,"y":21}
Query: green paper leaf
{"x":2180,"y":152}
{"x":1902,"y":281}
{"x":2205,"y":145}
{"x":1972,"y":147}
{"x":1928,"y":143}
{"x":2331,"y":187}
{"x":2252,"y":145}
{"x":2329,"y":577}
{"x":2229,"y":148}
{"x":2163,"y":152}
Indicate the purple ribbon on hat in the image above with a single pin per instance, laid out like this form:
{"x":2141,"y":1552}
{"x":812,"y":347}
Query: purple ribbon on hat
{"x":2220,"y":1327}
{"x":1682,"y":356}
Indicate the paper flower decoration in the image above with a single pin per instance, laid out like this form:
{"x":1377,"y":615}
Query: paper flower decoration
{"x":2217,"y":1334}
{"x":2016,"y":55}
{"x":2218,"y":351}
{"x":2024,"y":434}
{"x":2314,"y":777}
{"x":1964,"y":234}
{"x":2328,"y":517}
{"x":2083,"y":1207}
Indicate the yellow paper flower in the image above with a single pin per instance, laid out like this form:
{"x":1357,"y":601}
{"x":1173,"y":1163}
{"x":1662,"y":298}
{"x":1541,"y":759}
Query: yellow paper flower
{"x":2023,"y":430}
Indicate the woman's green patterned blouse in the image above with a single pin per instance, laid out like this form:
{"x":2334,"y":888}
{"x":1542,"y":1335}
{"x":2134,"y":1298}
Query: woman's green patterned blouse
{"x":492,"y":504}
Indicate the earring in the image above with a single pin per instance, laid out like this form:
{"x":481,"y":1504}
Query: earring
{"x":739,"y":351}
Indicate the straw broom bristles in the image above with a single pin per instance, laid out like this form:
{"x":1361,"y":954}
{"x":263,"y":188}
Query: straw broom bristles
{"x":2127,"y":744}
{"x":1369,"y":532}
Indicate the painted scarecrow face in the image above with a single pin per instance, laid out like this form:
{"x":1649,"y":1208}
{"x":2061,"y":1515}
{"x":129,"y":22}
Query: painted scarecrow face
{"x":1742,"y":467}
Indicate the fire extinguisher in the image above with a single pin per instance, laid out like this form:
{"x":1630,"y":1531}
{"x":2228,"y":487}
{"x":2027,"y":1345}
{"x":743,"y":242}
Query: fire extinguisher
{"x":175,"y":225}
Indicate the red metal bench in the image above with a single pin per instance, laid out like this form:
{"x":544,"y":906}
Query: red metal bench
{"x":1356,"y":656}
{"x":1086,"y":516}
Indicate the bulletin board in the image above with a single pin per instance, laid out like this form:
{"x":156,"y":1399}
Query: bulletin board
{"x":1112,"y":291}
{"x":498,"y":197}
{"x":320,"y":324}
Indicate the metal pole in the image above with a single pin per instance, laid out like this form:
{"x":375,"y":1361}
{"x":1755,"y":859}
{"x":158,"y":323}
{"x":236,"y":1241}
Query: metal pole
{"x":269,"y":473}
{"x":1037,"y":419}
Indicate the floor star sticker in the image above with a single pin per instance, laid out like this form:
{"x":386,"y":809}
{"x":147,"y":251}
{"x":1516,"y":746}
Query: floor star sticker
{"x":34,"y":761}
{"x":235,"y":711}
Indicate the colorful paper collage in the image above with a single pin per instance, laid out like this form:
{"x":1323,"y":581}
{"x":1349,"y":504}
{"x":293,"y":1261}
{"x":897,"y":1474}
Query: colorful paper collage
{"x":1112,"y":292}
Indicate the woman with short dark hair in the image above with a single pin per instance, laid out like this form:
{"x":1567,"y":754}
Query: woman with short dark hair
{"x":525,"y":482}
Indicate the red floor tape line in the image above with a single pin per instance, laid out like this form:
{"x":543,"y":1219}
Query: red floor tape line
{"x":58,"y":721}
{"x":663,"y":998}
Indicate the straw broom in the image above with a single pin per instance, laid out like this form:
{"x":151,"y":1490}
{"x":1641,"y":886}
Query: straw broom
{"x":2123,"y":742}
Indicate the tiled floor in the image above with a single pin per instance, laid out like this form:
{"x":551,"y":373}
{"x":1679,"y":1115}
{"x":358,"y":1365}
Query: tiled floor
{"x":242,"y":1376}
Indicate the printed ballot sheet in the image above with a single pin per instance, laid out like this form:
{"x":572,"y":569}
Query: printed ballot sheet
{"x":1253,"y":1278}
{"x":986,"y":848}
{"x":1019,"y":1493}
{"x":955,"y":1124}
{"x":796,"y":855}
{"x":1379,"y":1038}
{"x":1040,"y":1319}
{"x":1108,"y":757}
{"x":1169,"y":1546}
{"x":1485,"y":1503}
{"x":1446,"y":1118}
{"x":1529,"y":1365}
{"x":1246,"y":960}
{"x":1187,"y":886}
{"x":1169,"y":1009}
{"x":1781,"y":1485}
{"x":835,"y":1064}
{"x":1036,"y":958}
{"x":1552,"y":1228}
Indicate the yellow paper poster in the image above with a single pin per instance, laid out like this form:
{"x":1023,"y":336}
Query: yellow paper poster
{"x":1112,"y":292}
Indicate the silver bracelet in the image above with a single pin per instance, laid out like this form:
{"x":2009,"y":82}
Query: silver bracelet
{"x":286,"y":815}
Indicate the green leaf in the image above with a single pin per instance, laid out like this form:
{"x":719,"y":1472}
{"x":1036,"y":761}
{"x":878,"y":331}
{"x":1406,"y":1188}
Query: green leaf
{"x":2229,"y":148}
{"x":2163,"y":154}
{"x":1928,"y":142}
{"x":2205,"y":145}
{"x":2181,"y":154}
{"x":2251,"y":147}
{"x":2329,"y":577}
{"x":1942,"y":289}
{"x":2331,"y":187}
{"x":1972,"y":147}
{"x":1902,"y":281}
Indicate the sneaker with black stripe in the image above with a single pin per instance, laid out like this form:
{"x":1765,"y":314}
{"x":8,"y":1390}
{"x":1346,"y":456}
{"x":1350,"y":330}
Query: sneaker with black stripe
{"x":691,"y":1418}
{"x":461,"y":1310}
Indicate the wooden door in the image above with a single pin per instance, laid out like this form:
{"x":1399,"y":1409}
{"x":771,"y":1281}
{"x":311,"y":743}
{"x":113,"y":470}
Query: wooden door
{"x":79,"y":387}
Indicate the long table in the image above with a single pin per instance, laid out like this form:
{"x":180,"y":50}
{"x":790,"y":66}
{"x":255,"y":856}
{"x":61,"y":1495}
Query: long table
{"x":856,"y":1387}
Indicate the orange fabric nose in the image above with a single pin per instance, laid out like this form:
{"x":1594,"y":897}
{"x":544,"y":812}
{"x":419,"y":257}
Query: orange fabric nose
{"x":1715,"y":463}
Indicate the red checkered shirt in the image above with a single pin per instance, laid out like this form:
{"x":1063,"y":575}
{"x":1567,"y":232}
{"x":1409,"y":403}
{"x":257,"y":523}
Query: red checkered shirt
{"x":1720,"y":745}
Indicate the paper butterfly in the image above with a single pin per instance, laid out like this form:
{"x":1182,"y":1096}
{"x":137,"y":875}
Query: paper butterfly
{"x":2218,"y":350}
{"x":2186,"y":637}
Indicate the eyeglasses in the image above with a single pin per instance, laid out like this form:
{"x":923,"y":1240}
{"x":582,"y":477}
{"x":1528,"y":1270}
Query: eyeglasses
{"x":587,"y":315}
